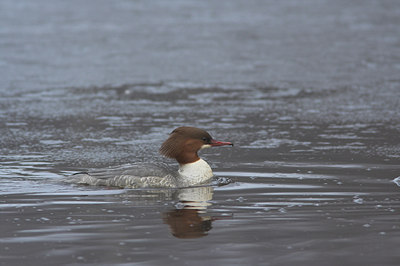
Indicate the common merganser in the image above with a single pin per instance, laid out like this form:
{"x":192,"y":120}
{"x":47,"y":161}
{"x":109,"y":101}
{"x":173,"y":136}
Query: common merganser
{"x":182,"y":144}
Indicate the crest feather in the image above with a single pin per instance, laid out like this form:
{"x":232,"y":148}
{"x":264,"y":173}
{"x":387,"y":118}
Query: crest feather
{"x":172,"y":147}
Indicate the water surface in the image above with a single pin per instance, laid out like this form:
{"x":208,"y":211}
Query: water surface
{"x":308,"y":92}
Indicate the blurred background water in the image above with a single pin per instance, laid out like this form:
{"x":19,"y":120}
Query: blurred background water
{"x":309,"y":92}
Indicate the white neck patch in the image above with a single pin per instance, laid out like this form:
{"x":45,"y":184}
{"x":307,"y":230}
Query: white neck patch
{"x":196,"y":173}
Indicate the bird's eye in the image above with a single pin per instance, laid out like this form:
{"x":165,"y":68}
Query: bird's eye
{"x":204,"y":139}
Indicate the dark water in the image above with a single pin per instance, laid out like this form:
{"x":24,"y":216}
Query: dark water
{"x":309,"y":92}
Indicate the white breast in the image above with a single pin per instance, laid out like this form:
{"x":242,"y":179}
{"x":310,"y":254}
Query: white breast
{"x":195,"y":173}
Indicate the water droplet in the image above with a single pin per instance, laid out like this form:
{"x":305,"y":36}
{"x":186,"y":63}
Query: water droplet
{"x":240,"y":199}
{"x":397,"y":181}
{"x":358,"y":200}
{"x":179,"y":205}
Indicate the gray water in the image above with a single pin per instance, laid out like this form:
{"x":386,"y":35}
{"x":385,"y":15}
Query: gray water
{"x":309,"y":92}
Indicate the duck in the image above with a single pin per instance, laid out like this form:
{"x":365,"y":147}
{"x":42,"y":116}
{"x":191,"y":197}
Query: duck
{"x":183,"y":145}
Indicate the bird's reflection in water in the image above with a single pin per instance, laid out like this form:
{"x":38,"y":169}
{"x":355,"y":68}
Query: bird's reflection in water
{"x":189,"y":219}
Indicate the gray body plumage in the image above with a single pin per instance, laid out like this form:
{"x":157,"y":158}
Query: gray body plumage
{"x":130,"y":176}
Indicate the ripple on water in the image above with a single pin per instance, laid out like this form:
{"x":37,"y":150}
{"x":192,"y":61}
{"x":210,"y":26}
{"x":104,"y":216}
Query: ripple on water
{"x":275,"y":205}
{"x":293,"y":194}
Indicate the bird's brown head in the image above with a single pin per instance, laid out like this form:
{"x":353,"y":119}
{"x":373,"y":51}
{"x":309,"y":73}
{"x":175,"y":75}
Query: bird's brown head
{"x":184,"y":142}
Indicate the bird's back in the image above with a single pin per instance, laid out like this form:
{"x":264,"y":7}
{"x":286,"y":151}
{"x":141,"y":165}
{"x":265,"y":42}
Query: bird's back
{"x":129,"y":176}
